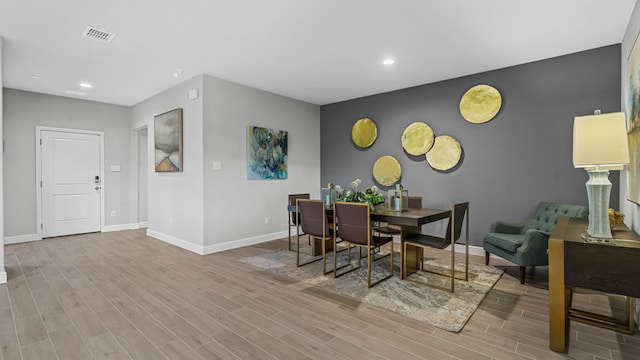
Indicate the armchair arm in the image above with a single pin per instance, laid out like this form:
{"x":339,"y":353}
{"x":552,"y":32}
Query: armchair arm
{"x":506,"y":228}
{"x":533,"y":250}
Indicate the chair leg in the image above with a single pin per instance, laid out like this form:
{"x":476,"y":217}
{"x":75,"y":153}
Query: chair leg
{"x":486,"y":257}
{"x":522,"y":274}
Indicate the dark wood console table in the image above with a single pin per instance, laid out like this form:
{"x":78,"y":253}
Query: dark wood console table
{"x":607,"y":267}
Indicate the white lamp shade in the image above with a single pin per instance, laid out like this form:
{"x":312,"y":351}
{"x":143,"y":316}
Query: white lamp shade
{"x":600,"y":141}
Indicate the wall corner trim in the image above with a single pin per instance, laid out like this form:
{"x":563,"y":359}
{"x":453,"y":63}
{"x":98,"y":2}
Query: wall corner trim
{"x":3,"y":277}
{"x":176,"y":241}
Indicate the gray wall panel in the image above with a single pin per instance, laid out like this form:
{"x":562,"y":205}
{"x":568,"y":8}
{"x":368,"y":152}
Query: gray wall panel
{"x":509,"y":164}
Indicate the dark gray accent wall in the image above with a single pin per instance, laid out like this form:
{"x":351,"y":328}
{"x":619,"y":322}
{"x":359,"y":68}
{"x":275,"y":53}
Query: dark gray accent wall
{"x":509,"y":164}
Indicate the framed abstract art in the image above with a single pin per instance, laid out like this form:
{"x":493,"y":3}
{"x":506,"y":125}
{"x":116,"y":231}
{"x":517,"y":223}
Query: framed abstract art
{"x":633,"y":123}
{"x":167,"y":135}
{"x":266,"y":153}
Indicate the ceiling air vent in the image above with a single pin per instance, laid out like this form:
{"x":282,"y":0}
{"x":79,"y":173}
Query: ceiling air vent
{"x":97,"y":34}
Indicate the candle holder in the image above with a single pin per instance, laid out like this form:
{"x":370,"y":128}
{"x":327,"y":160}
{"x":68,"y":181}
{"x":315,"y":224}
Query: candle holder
{"x":398,"y":199}
{"x":328,"y":196}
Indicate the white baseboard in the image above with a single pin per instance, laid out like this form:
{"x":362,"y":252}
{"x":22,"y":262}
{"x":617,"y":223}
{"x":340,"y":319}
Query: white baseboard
{"x":21,"y":239}
{"x":120,"y":227}
{"x":176,"y":242}
{"x":210,"y":249}
{"x":144,"y":224}
{"x":3,"y":277}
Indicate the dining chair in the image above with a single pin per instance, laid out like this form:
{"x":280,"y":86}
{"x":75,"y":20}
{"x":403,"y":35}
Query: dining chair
{"x":393,"y":229}
{"x":353,"y":221}
{"x":293,"y":217}
{"x":444,"y":243}
{"x":313,"y":221}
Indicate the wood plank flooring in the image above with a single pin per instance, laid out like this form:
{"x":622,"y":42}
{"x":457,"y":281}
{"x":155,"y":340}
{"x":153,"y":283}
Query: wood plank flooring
{"x":123,"y":295}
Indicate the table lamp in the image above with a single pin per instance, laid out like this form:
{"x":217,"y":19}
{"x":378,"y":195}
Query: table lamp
{"x":600,"y":145}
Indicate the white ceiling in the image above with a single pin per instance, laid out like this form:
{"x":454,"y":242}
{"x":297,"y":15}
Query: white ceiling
{"x":320,"y":51}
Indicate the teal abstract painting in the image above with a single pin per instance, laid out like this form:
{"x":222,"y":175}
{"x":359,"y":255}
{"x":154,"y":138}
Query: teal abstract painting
{"x":266,"y":153}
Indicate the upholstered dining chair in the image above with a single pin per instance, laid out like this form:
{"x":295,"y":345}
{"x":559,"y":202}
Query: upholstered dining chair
{"x":353,"y":221}
{"x":444,"y":243}
{"x":313,"y":220}
{"x":393,"y":229}
{"x":293,"y":215}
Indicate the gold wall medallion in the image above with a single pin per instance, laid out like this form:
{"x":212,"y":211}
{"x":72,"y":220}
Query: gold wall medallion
{"x":364,"y":132}
{"x":445,"y":153}
{"x":480,"y":104}
{"x":417,"y":138}
{"x":386,"y":170}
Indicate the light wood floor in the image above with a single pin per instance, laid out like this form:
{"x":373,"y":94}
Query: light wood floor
{"x":123,"y":295}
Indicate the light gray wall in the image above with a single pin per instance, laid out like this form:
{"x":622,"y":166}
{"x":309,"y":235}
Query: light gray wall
{"x":23,"y":111}
{"x":175,"y":199}
{"x":234,"y":207}
{"x":509,"y":164}
{"x":143,"y":178}
{"x":3,"y":273}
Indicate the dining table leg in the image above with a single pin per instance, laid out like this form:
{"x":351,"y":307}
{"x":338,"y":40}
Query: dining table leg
{"x":414,"y":254}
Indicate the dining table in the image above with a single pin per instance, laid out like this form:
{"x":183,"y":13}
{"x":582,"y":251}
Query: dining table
{"x":410,"y":221}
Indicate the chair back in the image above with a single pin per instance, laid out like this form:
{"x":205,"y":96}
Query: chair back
{"x":292,"y":202}
{"x":458,"y":213}
{"x":312,"y":217}
{"x":547,"y":214}
{"x":415,"y":202}
{"x":352,"y":222}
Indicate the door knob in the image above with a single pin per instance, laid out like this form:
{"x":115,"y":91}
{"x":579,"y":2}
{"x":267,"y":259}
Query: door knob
{"x":97,"y":188}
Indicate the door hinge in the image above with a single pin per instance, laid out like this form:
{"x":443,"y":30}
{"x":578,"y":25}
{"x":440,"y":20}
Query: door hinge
{"x":40,"y":141}
{"x":41,"y":227}
{"x":40,"y":183}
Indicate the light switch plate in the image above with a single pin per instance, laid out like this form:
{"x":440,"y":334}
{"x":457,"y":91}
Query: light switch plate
{"x":217,"y":165}
{"x":115,"y":168}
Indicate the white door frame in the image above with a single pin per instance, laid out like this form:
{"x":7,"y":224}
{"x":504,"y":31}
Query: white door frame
{"x":39,"y":129}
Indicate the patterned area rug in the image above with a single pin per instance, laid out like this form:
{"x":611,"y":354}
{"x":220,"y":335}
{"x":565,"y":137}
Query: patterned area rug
{"x":442,"y":309}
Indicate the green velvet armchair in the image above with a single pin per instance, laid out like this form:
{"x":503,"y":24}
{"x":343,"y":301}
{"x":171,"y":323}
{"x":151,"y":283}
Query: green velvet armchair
{"x":525,"y":244}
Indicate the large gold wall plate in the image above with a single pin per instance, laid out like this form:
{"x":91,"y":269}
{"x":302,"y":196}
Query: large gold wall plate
{"x":386,"y":170}
{"x":480,"y":104}
{"x":417,"y":138}
{"x":364,"y":132}
{"x":445,"y":153}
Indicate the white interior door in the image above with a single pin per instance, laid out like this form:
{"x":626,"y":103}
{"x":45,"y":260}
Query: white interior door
{"x":71,"y":183}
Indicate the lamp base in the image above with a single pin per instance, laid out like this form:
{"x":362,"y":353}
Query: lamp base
{"x":590,"y":239}
{"x":598,"y":192}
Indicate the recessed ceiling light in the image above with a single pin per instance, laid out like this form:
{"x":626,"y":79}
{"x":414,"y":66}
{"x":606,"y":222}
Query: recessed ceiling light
{"x":35,"y":76}
{"x":388,"y":61}
{"x":86,"y":85}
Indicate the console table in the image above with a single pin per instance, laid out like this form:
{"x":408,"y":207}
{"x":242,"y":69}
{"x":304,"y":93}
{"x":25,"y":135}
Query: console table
{"x":607,"y":267}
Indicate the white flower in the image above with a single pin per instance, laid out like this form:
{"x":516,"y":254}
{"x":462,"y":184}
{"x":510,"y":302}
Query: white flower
{"x":338,"y":188}
{"x":374,"y":189}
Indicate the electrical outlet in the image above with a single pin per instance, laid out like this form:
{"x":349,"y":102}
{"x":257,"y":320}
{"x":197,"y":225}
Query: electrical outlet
{"x":113,"y":213}
{"x":266,"y":220}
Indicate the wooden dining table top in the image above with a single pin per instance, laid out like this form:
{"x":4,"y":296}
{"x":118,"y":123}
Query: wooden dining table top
{"x":410,"y":217}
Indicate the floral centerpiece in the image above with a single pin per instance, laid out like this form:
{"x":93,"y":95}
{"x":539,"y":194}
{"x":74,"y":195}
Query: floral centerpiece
{"x":370,"y":195}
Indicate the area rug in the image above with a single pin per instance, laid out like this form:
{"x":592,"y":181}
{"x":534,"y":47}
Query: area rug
{"x":439,"y":308}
